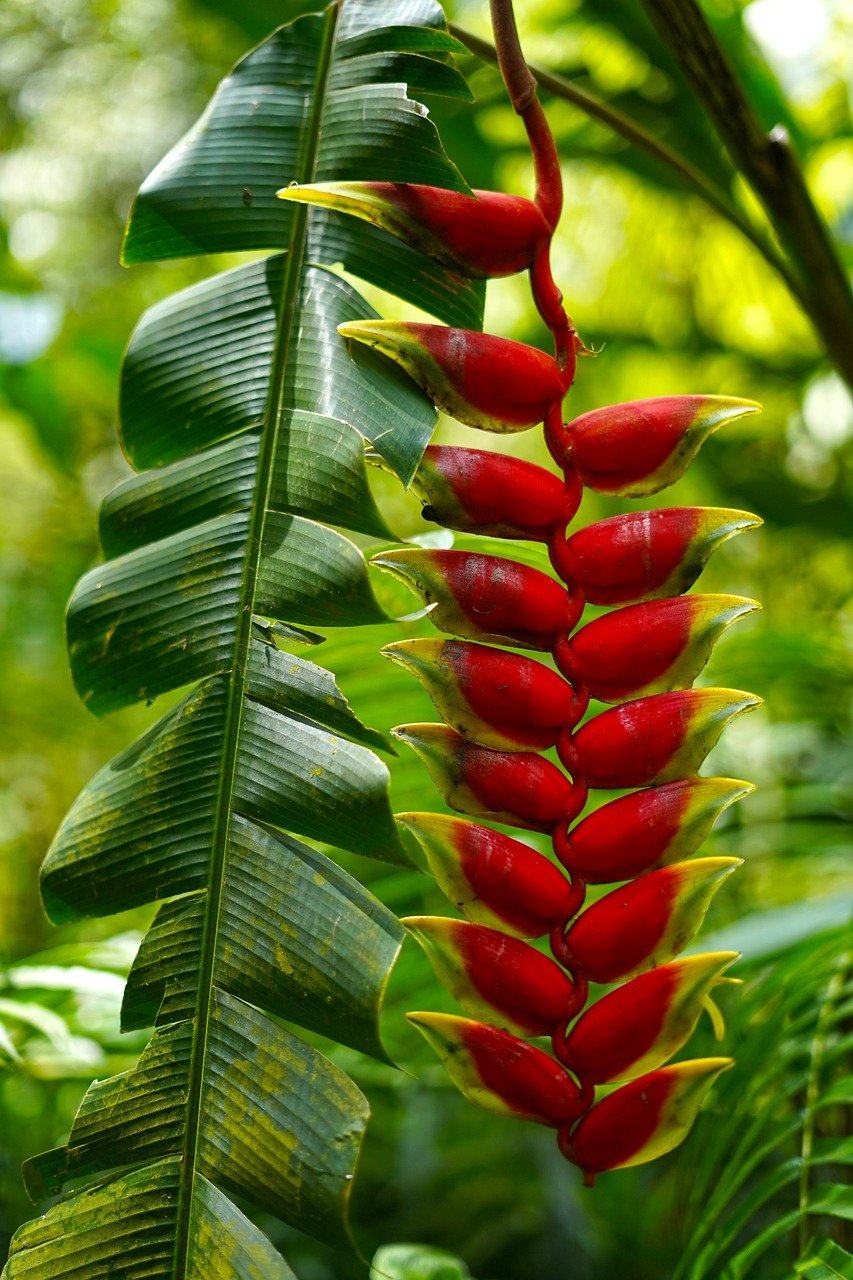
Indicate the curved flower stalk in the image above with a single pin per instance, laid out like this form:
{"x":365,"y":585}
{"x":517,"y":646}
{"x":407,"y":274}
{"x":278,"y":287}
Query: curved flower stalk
{"x":501,"y":709}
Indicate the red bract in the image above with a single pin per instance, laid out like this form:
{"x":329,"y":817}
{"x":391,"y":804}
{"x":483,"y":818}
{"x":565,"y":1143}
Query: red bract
{"x":500,"y":699}
{"x":645,"y":554}
{"x":516,"y":787}
{"x":641,"y":1024}
{"x":487,"y":382}
{"x":490,"y":877}
{"x":654,"y":739}
{"x":645,"y":922}
{"x":500,"y":1072}
{"x":640,"y":447}
{"x":495,"y":976}
{"x":643,"y":1119}
{"x":647,"y":648}
{"x":486,"y":233}
{"x":659,"y":825}
{"x":472,"y":489}
{"x":486,"y":597}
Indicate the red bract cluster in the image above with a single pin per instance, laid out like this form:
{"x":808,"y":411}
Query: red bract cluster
{"x":501,"y":708}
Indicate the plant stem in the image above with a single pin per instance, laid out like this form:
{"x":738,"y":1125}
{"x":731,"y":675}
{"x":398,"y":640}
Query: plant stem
{"x":770,"y":165}
{"x":806,"y":290}
{"x":521,"y":87}
{"x":635,"y":134}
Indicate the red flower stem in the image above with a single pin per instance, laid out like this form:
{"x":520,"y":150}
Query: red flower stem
{"x":549,"y":303}
{"x":559,"y":948}
{"x":579,"y":997}
{"x":555,"y":434}
{"x":577,"y":895}
{"x":586,"y":1095}
{"x":564,"y":1142}
{"x":521,"y":88}
{"x":522,"y":91}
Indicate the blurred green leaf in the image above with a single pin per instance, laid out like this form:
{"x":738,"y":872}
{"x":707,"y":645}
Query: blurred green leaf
{"x":825,"y":1260}
{"x":417,"y":1262}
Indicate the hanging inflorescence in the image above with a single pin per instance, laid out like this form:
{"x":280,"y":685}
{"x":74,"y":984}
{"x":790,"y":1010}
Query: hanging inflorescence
{"x":501,"y":709}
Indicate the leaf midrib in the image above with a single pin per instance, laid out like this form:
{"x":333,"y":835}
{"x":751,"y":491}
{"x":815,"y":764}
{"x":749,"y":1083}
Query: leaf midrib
{"x":291,"y":285}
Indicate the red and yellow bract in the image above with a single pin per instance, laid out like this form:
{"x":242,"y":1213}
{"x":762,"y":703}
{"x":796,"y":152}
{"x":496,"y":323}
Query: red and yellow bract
{"x":500,"y":709}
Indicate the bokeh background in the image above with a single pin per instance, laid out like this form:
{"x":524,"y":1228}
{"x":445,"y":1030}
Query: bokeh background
{"x":92,"y":92}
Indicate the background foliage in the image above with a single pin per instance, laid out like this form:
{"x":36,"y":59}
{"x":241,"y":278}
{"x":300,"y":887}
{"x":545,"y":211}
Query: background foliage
{"x":92,"y":92}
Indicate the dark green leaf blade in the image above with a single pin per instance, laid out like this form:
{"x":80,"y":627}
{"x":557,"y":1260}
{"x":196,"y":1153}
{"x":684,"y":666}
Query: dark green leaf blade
{"x":215,"y":191}
{"x":280,"y":1124}
{"x":134,"y":1217}
{"x":80,"y":1239}
{"x":198,"y":366}
{"x":301,"y":778}
{"x":284,"y":682}
{"x":141,"y":829}
{"x":299,"y":937}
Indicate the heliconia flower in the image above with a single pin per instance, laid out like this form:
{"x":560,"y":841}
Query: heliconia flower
{"x":486,"y":233}
{"x":498,"y":698}
{"x":496,"y":977}
{"x":492,"y":493}
{"x":658,"y":825}
{"x":654,"y":739}
{"x":500,"y":1072}
{"x":642,"y":1120}
{"x":519,"y":788}
{"x":490,"y":877}
{"x":484,"y":381}
{"x":645,"y":922}
{"x":640,"y":1025}
{"x":486,"y":597}
{"x":634,"y":449}
{"x":644,"y":555}
{"x":648,"y":648}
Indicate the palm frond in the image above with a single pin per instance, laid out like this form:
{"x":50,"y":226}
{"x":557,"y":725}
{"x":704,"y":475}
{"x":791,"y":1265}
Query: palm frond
{"x":769,"y":1163}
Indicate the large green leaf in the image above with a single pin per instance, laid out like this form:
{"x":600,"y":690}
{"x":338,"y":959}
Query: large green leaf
{"x":240,"y":399}
{"x":216,"y":189}
{"x":198,"y":369}
{"x":321,"y":473}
